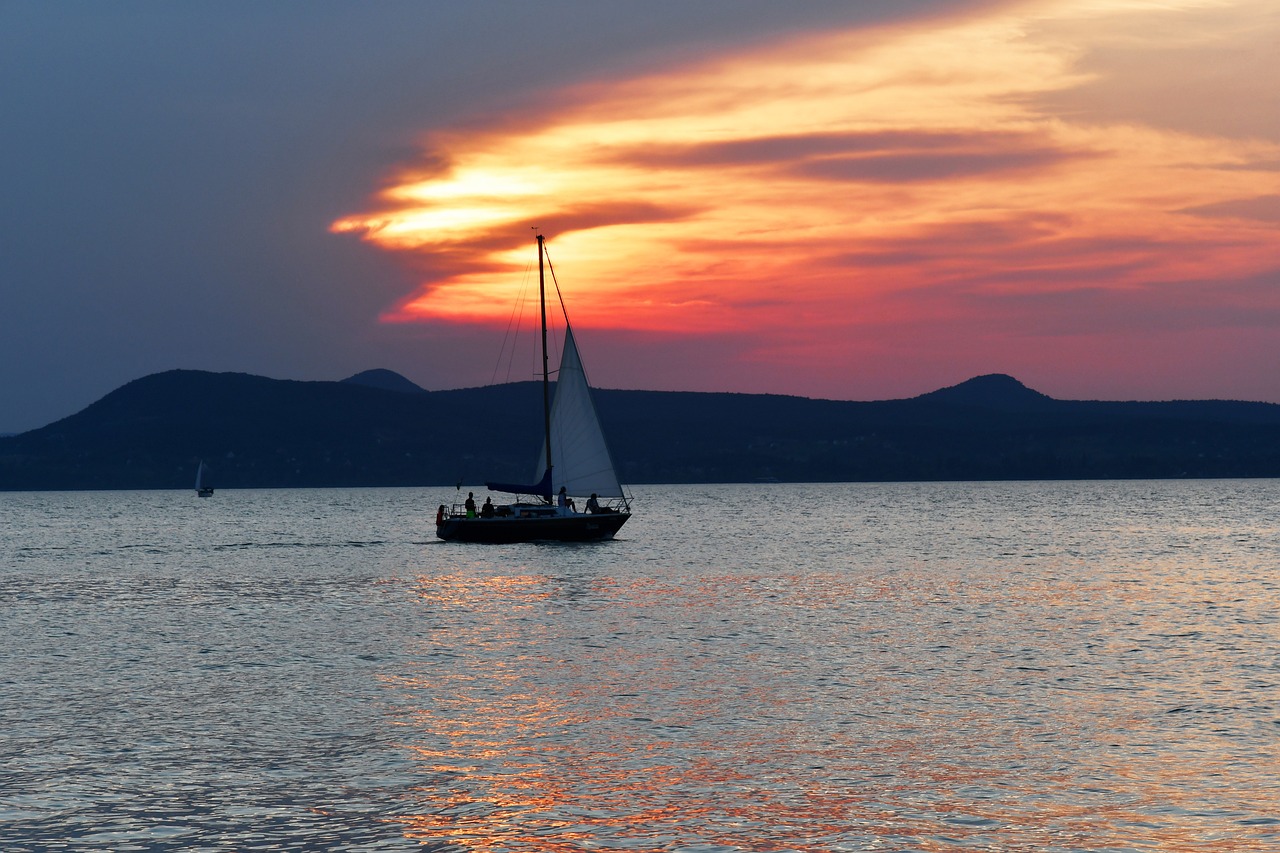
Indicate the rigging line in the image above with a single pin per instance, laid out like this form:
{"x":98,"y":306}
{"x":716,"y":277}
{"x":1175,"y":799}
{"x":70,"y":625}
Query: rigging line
{"x":560,"y":298}
{"x":513,"y":322}
{"x":559,"y":295}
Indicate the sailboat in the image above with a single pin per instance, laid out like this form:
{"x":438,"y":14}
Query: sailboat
{"x":577,"y":470}
{"x":202,"y":490}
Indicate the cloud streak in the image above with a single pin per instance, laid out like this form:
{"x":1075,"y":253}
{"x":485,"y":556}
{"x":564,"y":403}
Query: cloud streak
{"x":829,"y":199}
{"x":831,"y":187}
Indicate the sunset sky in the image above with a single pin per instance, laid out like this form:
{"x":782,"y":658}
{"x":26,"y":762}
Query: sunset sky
{"x":850,"y":201}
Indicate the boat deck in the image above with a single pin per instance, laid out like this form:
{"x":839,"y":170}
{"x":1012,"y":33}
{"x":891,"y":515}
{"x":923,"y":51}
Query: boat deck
{"x":531,"y":523}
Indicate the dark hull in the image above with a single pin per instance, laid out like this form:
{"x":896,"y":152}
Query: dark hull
{"x":591,"y":527}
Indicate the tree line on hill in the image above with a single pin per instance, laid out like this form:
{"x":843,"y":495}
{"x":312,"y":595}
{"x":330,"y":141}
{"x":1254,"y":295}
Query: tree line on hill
{"x":378,"y":429}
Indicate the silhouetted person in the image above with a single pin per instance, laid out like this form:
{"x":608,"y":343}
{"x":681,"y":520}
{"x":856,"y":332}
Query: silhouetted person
{"x":593,"y":505}
{"x":486,"y":511}
{"x":564,"y":500}
{"x":470,"y":504}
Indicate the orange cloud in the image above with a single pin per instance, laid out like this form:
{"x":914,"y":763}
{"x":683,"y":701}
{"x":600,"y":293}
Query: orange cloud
{"x":838,"y":183}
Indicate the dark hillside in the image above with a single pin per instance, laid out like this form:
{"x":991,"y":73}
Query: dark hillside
{"x":387,"y":380}
{"x":258,"y":432}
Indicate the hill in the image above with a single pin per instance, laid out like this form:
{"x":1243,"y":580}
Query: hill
{"x":258,"y":432}
{"x":388,"y":380}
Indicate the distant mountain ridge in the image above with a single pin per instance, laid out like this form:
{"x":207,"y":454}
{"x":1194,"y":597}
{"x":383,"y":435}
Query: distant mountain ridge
{"x":379,"y":429}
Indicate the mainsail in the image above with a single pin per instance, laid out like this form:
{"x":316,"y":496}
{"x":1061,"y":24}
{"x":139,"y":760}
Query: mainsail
{"x":580,"y":458}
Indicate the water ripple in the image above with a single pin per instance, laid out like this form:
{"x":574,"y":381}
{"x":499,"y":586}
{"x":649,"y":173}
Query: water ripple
{"x":919,"y":667}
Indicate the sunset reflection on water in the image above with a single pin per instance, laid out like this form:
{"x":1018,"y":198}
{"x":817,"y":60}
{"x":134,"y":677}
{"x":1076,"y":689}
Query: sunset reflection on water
{"x":1039,"y":700}
{"x":907,"y":667}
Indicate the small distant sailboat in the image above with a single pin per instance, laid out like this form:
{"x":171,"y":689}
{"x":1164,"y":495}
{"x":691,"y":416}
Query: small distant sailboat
{"x":575,"y":461}
{"x":202,"y":490}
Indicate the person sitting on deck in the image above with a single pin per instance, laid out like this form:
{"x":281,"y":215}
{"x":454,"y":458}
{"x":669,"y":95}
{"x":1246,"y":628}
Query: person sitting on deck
{"x":564,"y":500}
{"x":593,"y":504}
{"x":486,"y":511}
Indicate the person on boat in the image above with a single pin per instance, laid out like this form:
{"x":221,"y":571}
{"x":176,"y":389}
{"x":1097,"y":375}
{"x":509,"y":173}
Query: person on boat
{"x":486,"y":511}
{"x":593,"y":503}
{"x":470,"y":504}
{"x":564,"y":500}
{"x":440,"y":515}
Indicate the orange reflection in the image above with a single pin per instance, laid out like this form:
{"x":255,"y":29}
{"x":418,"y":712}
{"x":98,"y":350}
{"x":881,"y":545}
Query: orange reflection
{"x":560,"y":713}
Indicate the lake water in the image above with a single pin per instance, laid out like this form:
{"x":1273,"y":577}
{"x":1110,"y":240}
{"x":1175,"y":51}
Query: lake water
{"x":862,"y":667}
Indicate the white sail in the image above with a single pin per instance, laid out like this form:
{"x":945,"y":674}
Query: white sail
{"x":580,"y":458}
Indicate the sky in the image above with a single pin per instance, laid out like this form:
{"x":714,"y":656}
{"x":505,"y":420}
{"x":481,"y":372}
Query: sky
{"x":854,"y":201}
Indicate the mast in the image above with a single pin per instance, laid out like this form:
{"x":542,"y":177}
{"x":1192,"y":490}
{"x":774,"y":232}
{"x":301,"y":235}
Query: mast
{"x":546,"y":371}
